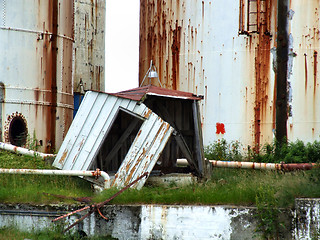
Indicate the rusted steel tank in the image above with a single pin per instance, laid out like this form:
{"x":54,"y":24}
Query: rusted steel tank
{"x":89,"y":45}
{"x":226,"y":51}
{"x":36,"y":41}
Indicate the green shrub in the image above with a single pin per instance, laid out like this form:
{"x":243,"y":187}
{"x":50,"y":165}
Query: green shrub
{"x":221,"y":150}
{"x":291,"y":152}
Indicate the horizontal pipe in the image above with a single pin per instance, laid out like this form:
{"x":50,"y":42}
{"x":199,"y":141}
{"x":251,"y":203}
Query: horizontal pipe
{"x":24,"y":151}
{"x":77,"y":173}
{"x":264,"y":166}
{"x":182,"y":162}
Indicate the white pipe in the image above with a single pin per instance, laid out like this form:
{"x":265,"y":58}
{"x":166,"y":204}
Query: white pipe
{"x":266,"y":166}
{"x":182,"y":162}
{"x":253,"y":165}
{"x":24,"y":151}
{"x":96,"y":173}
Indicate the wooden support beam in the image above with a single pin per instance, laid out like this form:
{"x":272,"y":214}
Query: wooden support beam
{"x":179,"y":137}
{"x":199,"y":152}
{"x":121,"y":140}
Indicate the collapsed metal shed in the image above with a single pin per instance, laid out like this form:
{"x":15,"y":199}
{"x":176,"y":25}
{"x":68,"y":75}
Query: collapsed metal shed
{"x":132,"y":132}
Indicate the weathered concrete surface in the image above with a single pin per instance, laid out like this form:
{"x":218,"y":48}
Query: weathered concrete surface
{"x":169,"y":222}
{"x":307,"y":218}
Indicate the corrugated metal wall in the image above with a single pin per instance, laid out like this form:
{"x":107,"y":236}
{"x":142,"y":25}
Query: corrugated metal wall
{"x":36,"y":41}
{"x":89,"y":46}
{"x":226,"y":51}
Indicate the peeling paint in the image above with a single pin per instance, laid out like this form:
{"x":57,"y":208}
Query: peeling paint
{"x":236,"y":70}
{"x":36,"y":67}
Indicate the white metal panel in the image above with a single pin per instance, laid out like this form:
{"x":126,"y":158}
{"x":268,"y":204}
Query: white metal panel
{"x":144,"y":152}
{"x":91,"y":125}
{"x":102,"y":126}
{"x":76,"y":135}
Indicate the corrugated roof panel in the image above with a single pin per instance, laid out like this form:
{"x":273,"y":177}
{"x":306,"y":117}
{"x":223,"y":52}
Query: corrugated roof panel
{"x":78,"y":122}
{"x":144,"y":151}
{"x":99,"y":135}
{"x":99,"y":130}
{"x":137,"y":94}
{"x":84,"y":133}
{"x":88,"y":129}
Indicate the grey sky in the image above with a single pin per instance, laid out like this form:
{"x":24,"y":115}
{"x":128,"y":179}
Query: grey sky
{"x":122,"y":44}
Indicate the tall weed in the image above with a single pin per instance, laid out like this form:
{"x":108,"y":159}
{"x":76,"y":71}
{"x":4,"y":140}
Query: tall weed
{"x":291,"y":152}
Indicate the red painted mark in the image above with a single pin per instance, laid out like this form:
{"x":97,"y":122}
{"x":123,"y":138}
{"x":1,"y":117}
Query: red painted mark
{"x":220,"y":128}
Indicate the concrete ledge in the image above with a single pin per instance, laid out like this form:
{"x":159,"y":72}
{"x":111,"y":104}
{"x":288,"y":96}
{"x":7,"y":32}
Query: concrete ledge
{"x":169,"y":222}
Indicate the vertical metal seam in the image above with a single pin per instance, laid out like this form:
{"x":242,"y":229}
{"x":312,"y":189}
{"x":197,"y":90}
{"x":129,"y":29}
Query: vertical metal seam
{"x":282,"y":71}
{"x":4,"y":13}
{"x":54,"y":26}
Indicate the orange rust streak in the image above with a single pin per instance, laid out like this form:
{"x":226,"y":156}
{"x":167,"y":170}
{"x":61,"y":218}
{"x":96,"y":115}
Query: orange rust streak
{"x":315,"y":69}
{"x":262,"y":67}
{"x":63,"y":157}
{"x":306,"y":72}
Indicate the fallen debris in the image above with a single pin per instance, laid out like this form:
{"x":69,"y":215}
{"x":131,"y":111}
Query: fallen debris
{"x":96,"y":207}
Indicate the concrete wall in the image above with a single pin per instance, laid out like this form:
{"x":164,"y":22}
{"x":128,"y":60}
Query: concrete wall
{"x":169,"y":222}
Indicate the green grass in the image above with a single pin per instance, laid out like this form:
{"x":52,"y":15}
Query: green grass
{"x":11,"y":233}
{"x":227,"y":186}
{"x":31,"y":188}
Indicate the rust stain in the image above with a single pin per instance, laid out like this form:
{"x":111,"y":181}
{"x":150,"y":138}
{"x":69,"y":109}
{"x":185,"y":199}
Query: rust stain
{"x":139,"y":133}
{"x":8,"y":124}
{"x":305,"y":72}
{"x":315,"y":70}
{"x":147,"y":113}
{"x":175,"y":48}
{"x":160,"y":41}
{"x":50,"y":74}
{"x":63,"y":157}
{"x":262,"y":78}
{"x":129,"y":177}
{"x":36,"y":97}
{"x":128,"y":167}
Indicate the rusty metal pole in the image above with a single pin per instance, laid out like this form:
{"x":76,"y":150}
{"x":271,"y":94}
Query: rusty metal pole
{"x":282,"y":71}
{"x":51,"y":144}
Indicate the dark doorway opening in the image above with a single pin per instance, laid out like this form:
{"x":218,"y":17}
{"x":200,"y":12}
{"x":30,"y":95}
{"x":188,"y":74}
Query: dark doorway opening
{"x":18,"y":131}
{"x":118,"y":141}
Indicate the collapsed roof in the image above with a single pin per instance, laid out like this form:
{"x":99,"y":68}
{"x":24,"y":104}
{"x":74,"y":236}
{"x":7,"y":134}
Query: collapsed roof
{"x":129,"y":133}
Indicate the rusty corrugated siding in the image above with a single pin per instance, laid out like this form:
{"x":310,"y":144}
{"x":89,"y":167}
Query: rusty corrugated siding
{"x":203,"y":47}
{"x":36,"y":68}
{"x":89,"y":46}
{"x":144,"y":152}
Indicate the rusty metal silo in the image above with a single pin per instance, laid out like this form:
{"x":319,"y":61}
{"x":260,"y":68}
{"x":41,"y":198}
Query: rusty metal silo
{"x":226,"y":51}
{"x":36,"y":41}
{"x":89,"y":46}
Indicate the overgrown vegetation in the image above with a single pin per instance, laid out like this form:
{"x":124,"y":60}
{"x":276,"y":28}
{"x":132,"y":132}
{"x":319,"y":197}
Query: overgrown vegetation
{"x":227,"y":186}
{"x":267,"y":190}
{"x":292,"y":152}
{"x":31,"y":188}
